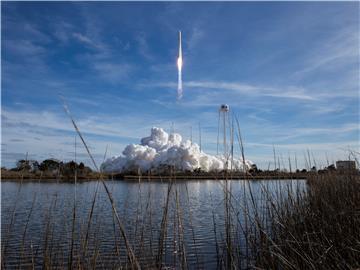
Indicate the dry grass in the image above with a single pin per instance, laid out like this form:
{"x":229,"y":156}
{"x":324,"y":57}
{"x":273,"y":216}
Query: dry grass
{"x":318,"y":230}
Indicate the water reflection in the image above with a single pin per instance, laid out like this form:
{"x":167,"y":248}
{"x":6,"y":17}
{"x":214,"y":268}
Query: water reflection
{"x":36,"y":220}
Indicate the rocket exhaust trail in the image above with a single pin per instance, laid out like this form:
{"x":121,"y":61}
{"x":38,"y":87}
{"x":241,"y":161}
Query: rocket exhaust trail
{"x":179,"y":64}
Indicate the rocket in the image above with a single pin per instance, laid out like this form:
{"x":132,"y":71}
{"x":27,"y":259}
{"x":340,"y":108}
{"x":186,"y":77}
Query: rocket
{"x":179,"y":61}
{"x":179,"y":64}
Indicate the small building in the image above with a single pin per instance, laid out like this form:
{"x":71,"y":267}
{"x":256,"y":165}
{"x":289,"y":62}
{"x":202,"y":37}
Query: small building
{"x":345,"y":165}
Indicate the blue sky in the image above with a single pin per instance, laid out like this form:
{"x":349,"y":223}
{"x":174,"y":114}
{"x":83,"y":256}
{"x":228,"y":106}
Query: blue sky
{"x":288,"y":70}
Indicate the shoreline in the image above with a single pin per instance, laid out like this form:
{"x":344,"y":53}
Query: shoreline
{"x":28,"y":178}
{"x":11,"y":176}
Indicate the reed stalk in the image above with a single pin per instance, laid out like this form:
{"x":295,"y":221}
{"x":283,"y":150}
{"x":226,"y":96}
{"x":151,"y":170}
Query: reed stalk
{"x":131,"y":255}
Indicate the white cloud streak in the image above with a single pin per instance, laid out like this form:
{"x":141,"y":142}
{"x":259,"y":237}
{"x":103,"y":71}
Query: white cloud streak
{"x":86,"y":40}
{"x":340,"y":50}
{"x":241,"y":88}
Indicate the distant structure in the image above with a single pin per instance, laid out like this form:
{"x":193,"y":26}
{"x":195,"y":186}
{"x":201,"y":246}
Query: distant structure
{"x":200,"y":136}
{"x":223,"y":124}
{"x":224,"y":108}
{"x":345,"y":165}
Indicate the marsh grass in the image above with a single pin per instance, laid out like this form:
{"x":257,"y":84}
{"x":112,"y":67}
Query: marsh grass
{"x":320,"y":229}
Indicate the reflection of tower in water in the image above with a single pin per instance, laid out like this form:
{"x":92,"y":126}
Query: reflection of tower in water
{"x":223,"y":125}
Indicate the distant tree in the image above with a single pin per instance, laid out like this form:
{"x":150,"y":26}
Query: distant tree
{"x":23,"y":165}
{"x":50,"y":165}
{"x":253,"y":168}
{"x":86,"y":170}
{"x":188,"y":172}
{"x":68,"y":169}
{"x":34,"y":165}
{"x":71,"y":165}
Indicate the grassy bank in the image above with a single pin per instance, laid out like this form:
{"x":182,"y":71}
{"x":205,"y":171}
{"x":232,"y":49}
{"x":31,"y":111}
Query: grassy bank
{"x":18,"y":176}
{"x":318,"y":230}
{"x":21,"y":176}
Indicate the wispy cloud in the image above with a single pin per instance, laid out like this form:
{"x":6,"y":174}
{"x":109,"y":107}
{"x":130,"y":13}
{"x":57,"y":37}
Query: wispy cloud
{"x":86,"y":40}
{"x":322,"y":153}
{"x":340,"y":50}
{"x":242,"y":88}
{"x":107,"y":64}
{"x":59,"y":122}
{"x":143,"y":46}
{"x":319,"y":148}
{"x":113,"y":72}
{"x":195,"y":37}
{"x":23,"y":48}
{"x":302,"y":132}
{"x":62,"y":31}
{"x":47,"y":134}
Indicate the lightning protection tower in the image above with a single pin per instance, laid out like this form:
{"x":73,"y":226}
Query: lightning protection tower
{"x":223,"y":125}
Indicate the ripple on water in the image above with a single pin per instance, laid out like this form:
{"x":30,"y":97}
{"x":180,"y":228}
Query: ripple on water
{"x":140,"y":207}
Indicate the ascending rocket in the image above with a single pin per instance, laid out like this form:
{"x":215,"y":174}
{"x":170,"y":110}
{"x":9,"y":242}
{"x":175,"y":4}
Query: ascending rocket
{"x":180,"y":52}
{"x":179,"y":64}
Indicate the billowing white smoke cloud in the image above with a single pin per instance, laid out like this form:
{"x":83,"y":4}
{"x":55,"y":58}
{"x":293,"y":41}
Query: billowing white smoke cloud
{"x":161,"y":150}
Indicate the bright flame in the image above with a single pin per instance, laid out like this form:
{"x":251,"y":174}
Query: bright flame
{"x":179,"y":63}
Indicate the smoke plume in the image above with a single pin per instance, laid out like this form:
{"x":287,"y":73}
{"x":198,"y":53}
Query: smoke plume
{"x":180,"y":88}
{"x":161,"y":150}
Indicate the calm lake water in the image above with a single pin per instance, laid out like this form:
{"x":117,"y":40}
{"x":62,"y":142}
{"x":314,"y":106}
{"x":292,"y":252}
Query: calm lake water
{"x":36,"y":220}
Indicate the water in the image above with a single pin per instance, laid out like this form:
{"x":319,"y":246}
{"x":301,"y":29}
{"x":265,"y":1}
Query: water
{"x":36,"y":221}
